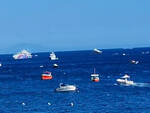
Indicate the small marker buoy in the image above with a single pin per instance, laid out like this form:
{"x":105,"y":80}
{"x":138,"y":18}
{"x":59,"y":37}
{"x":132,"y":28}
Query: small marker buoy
{"x":49,"y":103}
{"x":123,"y":54}
{"x":23,"y":104}
{"x":71,"y":104}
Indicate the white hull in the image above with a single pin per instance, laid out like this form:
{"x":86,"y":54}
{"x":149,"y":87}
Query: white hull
{"x":97,"y":51}
{"x":66,"y":88}
{"x":125,"y":82}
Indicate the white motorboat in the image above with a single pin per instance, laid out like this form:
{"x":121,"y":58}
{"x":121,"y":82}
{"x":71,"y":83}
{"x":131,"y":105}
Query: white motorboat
{"x":53,"y":56}
{"x":55,"y":65}
{"x":125,"y":80}
{"x":24,"y":54}
{"x":65,"y":87}
{"x":97,"y":51}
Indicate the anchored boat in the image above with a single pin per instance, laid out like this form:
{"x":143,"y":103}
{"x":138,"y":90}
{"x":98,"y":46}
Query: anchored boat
{"x":46,"y":76}
{"x":97,"y":51}
{"x":53,"y":56}
{"x":125,"y":80}
{"x":65,"y":87}
{"x":95,"y":77}
{"x":55,"y":65}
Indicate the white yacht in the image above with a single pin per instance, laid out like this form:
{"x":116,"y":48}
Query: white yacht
{"x":65,"y":87}
{"x":97,"y":51}
{"x":53,"y":56}
{"x":24,"y":54}
{"x":125,"y":80}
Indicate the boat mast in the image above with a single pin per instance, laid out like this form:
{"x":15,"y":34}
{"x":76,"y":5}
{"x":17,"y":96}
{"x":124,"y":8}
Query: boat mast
{"x":94,"y":70}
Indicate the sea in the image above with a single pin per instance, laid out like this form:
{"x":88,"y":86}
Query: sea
{"x":23,"y":91}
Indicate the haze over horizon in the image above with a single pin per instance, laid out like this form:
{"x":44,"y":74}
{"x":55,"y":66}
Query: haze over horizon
{"x":73,"y":25}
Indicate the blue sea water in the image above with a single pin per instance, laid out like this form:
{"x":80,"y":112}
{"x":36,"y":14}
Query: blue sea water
{"x":20,"y":82}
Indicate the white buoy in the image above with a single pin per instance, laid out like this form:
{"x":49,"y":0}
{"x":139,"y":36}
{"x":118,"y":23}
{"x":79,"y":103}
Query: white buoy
{"x":71,"y":104}
{"x":41,"y":66}
{"x":49,"y":103}
{"x":123,"y":54}
{"x":23,"y":104}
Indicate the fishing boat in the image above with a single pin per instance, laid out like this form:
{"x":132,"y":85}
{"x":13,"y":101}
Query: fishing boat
{"x":97,"y":51}
{"x":95,"y":77}
{"x":24,"y":54}
{"x":65,"y":88}
{"x":46,"y":76}
{"x":125,"y":80}
{"x":53,"y":56}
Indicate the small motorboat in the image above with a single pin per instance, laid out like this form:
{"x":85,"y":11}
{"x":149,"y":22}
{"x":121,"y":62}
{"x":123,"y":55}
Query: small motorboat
{"x":95,"y":77}
{"x":125,"y":80}
{"x":97,"y":51}
{"x":65,"y":87}
{"x":46,"y":76}
{"x":53,"y":56}
{"x":55,"y":65}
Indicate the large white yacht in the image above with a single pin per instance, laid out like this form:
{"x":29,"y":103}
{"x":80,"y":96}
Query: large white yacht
{"x":24,"y":54}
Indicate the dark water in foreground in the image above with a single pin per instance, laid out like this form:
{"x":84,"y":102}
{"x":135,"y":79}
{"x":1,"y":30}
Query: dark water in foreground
{"x":20,"y":82}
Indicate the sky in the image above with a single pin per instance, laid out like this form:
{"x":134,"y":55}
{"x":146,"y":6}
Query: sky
{"x":65,"y":25}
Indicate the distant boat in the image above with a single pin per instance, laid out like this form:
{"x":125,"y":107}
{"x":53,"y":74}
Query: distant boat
{"x":24,"y":54}
{"x":46,"y":76}
{"x":53,"y":56}
{"x":97,"y":51}
{"x":125,"y":80}
{"x":55,"y":65}
{"x":95,"y":77}
{"x":65,"y":87}
{"x":134,"y":62}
